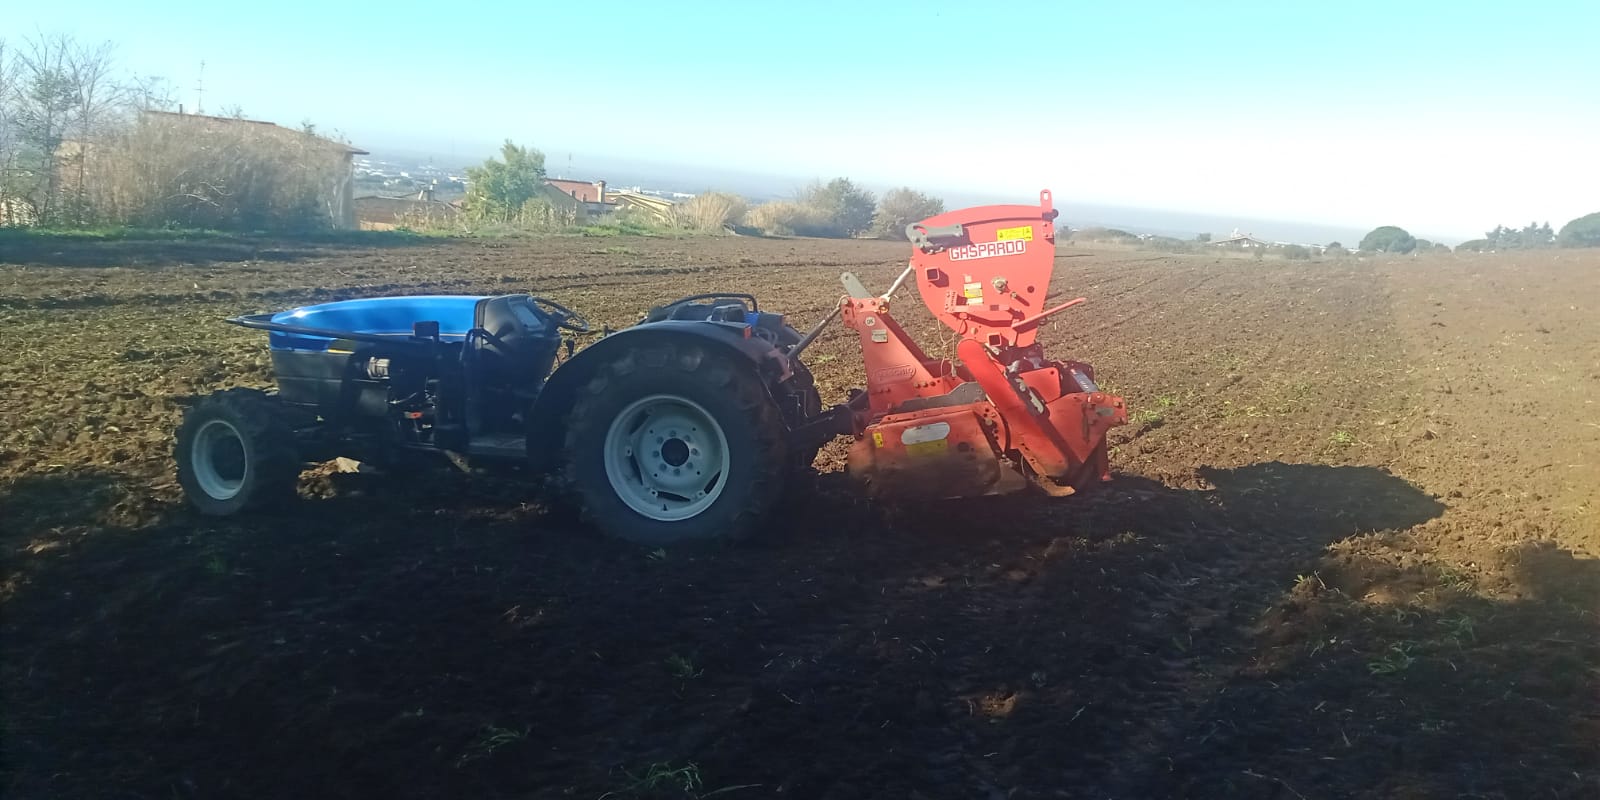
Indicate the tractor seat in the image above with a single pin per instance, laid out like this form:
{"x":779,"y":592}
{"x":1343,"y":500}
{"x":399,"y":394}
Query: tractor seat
{"x":515,"y":344}
{"x":698,"y":312}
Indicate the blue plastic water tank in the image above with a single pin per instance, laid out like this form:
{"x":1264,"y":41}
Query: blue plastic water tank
{"x":376,"y":315}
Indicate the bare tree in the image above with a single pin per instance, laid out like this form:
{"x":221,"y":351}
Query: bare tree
{"x":45,"y":105}
{"x":58,"y":100}
{"x":99,"y":105}
{"x":7,"y":86}
{"x":9,"y":196}
{"x":150,"y":93}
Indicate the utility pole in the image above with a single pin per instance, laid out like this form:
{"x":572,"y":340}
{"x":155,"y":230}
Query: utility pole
{"x":200,"y":90}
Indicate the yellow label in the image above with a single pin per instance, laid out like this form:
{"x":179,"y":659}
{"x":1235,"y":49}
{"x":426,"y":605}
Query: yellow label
{"x":973,"y":291}
{"x":937,"y":447}
{"x":1005,"y":234}
{"x":877,"y":438}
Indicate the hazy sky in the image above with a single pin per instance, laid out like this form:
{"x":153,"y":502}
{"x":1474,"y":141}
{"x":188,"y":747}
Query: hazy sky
{"x":1443,"y":117}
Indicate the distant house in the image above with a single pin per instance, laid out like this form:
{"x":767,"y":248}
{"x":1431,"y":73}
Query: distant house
{"x":588,"y":197}
{"x":339,"y":194}
{"x":382,"y":213}
{"x":1241,"y":241}
{"x":658,"y":207}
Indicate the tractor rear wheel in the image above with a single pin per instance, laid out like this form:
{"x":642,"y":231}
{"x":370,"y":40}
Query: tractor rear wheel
{"x":235,"y":452}
{"x":674,"y":442}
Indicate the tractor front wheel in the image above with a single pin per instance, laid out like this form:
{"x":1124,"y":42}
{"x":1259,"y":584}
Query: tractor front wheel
{"x":235,"y":452}
{"x":675,"y":442}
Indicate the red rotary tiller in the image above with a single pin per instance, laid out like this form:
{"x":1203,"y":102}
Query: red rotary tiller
{"x":1003,"y":415}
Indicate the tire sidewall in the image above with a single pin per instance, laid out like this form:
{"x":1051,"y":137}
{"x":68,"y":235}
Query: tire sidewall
{"x":741,"y":474}
{"x":259,"y":457}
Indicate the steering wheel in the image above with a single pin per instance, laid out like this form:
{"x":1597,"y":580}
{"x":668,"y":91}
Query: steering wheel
{"x":565,"y":317}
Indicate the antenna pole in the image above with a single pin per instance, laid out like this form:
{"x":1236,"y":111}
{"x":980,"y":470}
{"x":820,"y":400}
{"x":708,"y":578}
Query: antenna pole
{"x":200,"y":90}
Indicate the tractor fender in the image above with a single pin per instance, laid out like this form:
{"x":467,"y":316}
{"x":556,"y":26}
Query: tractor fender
{"x":547,"y":425}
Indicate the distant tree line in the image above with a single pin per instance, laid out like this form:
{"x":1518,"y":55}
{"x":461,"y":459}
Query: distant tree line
{"x":509,"y":191}
{"x":1532,"y":236}
{"x":1581,"y":232}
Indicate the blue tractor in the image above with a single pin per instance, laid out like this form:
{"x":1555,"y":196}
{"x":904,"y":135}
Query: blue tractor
{"x":683,"y":426}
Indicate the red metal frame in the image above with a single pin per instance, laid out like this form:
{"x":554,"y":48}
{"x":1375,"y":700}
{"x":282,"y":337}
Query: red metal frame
{"x":985,"y":273}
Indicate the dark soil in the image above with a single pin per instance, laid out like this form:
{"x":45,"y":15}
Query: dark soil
{"x":1351,"y":551}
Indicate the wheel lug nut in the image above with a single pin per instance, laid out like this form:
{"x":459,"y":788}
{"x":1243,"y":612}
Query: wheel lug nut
{"x":656,"y":454}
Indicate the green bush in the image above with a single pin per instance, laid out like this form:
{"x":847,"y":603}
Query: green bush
{"x":902,"y":207}
{"x":1581,"y":232}
{"x":1296,"y":252}
{"x":1388,"y":239}
{"x":501,"y":191}
{"x":834,"y":209}
{"x":846,"y":208}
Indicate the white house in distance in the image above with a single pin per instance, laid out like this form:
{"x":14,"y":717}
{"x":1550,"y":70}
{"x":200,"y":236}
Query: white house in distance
{"x":1242,"y":241}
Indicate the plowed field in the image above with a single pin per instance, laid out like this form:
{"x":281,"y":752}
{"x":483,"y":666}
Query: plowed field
{"x":1353,"y":549}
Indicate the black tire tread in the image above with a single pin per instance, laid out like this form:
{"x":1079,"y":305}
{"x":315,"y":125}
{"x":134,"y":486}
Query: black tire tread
{"x":259,"y":417}
{"x":713,"y":369}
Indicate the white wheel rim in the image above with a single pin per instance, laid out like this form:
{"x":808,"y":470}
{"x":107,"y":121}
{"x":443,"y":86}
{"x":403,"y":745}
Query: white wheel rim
{"x":219,"y":459}
{"x":666,"y":458}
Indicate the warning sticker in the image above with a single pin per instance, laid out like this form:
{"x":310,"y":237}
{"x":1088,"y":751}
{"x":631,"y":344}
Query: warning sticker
{"x":877,"y":438}
{"x":1006,"y":234}
{"x":926,"y":440}
{"x":1008,"y":247}
{"x":972,"y":291}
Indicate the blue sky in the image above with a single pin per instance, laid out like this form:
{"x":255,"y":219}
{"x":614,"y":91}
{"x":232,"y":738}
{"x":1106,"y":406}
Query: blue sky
{"x":1446,"y":118}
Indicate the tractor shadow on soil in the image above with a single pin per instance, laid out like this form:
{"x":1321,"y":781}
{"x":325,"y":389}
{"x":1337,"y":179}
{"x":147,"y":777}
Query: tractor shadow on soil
{"x":1309,"y":505}
{"x":36,"y":503}
{"x":434,"y":636}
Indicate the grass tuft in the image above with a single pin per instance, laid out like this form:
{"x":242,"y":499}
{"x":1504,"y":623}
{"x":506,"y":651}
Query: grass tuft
{"x":1395,"y":660}
{"x":682,"y":668}
{"x":489,"y":740}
